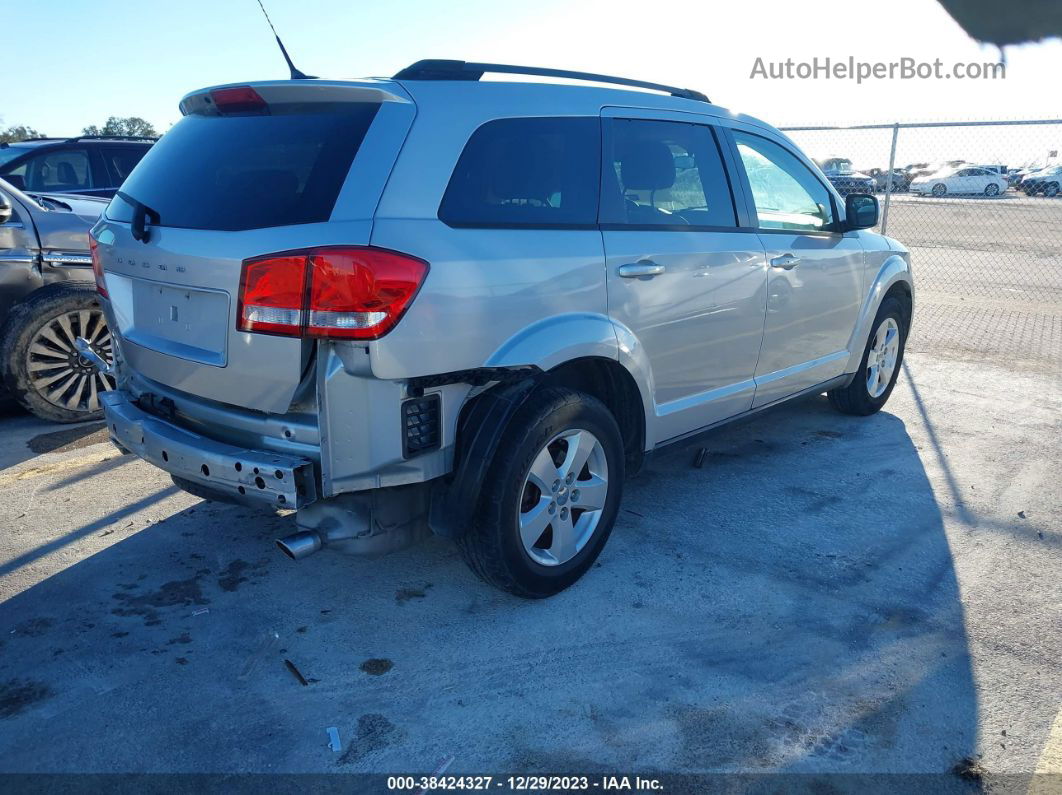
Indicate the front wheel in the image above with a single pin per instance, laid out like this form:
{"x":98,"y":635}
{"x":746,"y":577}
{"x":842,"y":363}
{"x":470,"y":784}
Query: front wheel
{"x":1051,"y":190}
{"x":880,"y":366}
{"x":940,"y":189}
{"x":548,"y":505}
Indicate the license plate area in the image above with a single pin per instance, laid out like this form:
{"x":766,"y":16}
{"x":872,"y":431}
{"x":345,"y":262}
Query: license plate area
{"x":186,"y":322}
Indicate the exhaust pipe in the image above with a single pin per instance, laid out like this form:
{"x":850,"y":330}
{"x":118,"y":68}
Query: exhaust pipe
{"x":300,"y":545}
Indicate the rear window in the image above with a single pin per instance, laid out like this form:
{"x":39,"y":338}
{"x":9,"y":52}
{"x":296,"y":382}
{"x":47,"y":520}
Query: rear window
{"x":248,"y":172}
{"x":527,"y":172}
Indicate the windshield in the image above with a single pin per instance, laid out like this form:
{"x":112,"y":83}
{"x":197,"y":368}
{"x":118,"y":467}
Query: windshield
{"x":838,"y":166}
{"x":9,"y":153}
{"x":247,"y":172}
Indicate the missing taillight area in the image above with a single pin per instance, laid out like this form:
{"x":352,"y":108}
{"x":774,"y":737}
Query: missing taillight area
{"x":336,"y":292}
{"x":97,"y":266}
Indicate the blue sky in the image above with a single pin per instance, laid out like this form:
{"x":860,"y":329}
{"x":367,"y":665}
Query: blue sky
{"x":75,"y":62}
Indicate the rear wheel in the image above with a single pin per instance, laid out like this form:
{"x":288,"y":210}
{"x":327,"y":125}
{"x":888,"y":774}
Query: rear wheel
{"x":41,"y":366}
{"x":550,"y":501}
{"x":1051,"y":189}
{"x":992,"y":189}
{"x":874,"y":381}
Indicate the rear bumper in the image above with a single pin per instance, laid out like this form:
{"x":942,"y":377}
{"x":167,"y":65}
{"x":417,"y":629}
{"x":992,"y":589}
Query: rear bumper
{"x":238,"y":473}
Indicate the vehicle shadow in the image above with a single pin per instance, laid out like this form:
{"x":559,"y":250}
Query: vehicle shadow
{"x":790,"y":606}
{"x":23,"y":436}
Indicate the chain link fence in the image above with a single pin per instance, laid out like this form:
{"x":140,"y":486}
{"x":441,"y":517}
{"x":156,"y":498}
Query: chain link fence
{"x":979,"y":205}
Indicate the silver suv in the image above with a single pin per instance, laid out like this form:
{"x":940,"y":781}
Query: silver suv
{"x":430,"y":303}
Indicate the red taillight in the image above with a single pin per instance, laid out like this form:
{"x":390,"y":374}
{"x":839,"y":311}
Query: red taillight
{"x":97,"y":266}
{"x":241,"y":99}
{"x":348,"y":292}
{"x":271,"y":294}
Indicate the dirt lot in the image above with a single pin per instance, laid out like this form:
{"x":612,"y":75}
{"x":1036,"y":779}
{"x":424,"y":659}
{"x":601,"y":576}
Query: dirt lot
{"x":825,"y":594}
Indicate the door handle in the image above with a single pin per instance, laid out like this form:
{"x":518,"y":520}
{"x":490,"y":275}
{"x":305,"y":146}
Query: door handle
{"x":645,"y":267}
{"x":786,"y":261}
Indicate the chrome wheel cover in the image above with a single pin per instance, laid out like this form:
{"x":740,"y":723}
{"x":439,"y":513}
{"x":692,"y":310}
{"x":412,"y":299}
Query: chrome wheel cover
{"x":61,"y":375}
{"x":563,"y":497}
{"x":881,"y":359}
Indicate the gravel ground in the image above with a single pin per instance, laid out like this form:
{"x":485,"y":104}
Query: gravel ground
{"x":826,"y":593}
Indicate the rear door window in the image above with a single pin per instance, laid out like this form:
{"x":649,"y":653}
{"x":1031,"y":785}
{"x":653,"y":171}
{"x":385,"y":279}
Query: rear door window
{"x":59,"y":170}
{"x":527,"y":172}
{"x":248,"y":172}
{"x":667,"y":174}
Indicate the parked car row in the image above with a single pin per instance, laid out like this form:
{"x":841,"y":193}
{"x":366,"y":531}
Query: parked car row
{"x":955,"y":177}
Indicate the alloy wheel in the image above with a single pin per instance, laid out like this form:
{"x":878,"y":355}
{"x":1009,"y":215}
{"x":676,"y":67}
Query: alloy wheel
{"x":563,"y":497}
{"x":58,"y":372}
{"x":881,"y":360}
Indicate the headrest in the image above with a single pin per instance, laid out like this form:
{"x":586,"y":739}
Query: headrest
{"x":647,"y":165}
{"x":66,"y":173}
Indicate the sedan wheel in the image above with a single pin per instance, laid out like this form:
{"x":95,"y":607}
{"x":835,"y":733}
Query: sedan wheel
{"x":58,"y":372}
{"x":1051,"y":190}
{"x":563,"y":497}
{"x":939,"y":189}
{"x":992,"y":189}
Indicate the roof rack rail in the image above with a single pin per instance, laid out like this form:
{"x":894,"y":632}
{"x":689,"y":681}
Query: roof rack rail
{"x":434,"y":69}
{"x":112,"y":138}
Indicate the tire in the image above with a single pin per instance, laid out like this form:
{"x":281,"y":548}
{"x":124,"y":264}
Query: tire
{"x":940,"y":189}
{"x":992,"y":189}
{"x":41,"y":368}
{"x":857,"y":398}
{"x":493,"y":546}
{"x":1051,"y":190}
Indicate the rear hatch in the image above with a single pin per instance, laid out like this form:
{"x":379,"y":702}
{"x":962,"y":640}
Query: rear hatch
{"x":249,"y":171}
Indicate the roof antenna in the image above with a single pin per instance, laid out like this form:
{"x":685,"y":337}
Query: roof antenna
{"x":295,"y":73}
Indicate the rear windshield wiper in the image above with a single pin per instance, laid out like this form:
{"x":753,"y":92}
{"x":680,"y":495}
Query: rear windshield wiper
{"x":142,"y":215}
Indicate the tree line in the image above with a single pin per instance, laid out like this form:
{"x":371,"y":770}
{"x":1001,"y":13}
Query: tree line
{"x":130,"y":126}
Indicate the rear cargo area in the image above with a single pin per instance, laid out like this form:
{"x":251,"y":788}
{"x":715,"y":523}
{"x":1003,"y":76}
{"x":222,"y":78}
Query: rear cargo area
{"x":249,"y":171}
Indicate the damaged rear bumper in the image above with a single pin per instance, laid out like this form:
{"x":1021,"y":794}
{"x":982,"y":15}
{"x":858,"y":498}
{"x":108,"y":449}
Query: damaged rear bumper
{"x":237,"y":473}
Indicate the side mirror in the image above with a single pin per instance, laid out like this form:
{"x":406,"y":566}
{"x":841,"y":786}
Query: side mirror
{"x":5,"y":209}
{"x":860,"y":211}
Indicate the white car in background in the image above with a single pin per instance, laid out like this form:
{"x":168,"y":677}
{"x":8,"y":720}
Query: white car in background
{"x":962,"y":179}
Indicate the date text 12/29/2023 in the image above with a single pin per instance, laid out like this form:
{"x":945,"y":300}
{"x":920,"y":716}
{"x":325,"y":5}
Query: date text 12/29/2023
{"x":538,"y":783}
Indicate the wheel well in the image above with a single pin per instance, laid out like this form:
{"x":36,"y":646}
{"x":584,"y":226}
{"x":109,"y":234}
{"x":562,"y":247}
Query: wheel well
{"x":610,"y":383}
{"x":901,"y":291}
